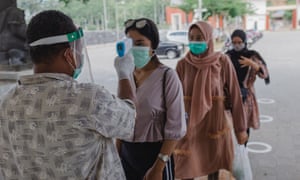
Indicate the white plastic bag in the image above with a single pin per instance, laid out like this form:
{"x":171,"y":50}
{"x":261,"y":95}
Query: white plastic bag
{"x":241,"y":164}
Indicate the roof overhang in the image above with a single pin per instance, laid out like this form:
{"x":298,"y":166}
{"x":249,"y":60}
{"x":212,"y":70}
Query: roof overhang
{"x":286,"y":7}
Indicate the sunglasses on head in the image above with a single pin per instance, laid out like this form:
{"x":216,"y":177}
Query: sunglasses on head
{"x":137,"y":23}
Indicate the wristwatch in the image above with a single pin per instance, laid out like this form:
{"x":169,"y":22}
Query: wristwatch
{"x":163,"y":157}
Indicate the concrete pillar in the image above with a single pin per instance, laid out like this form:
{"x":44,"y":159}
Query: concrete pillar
{"x":267,"y":22}
{"x":294,"y":19}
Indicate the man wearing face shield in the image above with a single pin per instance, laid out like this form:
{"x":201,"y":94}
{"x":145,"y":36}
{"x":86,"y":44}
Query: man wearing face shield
{"x":52,"y":126}
{"x":248,"y":64}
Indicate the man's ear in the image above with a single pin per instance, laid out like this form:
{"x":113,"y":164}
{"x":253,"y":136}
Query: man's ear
{"x":69,"y":56}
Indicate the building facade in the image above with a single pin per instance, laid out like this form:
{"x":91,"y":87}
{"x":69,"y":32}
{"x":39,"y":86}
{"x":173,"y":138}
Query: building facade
{"x":258,"y":19}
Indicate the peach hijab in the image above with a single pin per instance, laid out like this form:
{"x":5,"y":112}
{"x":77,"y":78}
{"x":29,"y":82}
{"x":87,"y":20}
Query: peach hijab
{"x":201,"y":101}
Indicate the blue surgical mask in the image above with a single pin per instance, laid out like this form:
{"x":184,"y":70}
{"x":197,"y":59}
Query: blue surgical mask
{"x":198,"y":47}
{"x":140,"y":55}
{"x":77,"y":70}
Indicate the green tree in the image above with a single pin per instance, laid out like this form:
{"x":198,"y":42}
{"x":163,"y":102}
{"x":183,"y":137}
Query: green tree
{"x":288,"y":15}
{"x":230,"y":8}
{"x":31,"y":7}
{"x":188,"y":6}
{"x":90,"y":13}
{"x":152,"y":9}
{"x":68,"y":1}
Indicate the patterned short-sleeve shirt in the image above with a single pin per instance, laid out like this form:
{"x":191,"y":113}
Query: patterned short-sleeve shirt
{"x":52,"y":127}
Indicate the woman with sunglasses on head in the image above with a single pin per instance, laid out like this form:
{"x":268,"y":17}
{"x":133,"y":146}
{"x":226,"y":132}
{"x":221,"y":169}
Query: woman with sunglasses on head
{"x":248,"y":64}
{"x":205,"y":75}
{"x":160,"y":121}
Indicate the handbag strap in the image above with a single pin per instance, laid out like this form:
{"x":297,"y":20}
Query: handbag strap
{"x":164,"y":87}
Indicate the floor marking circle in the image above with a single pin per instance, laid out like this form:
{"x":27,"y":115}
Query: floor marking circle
{"x":267,"y":149}
{"x":265,"y":118}
{"x":265,"y":101}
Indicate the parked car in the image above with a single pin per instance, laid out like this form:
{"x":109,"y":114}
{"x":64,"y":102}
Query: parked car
{"x":255,"y":34}
{"x":170,"y":49}
{"x":180,"y":36}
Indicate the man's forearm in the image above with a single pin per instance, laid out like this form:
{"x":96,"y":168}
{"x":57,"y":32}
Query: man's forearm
{"x":125,"y":90}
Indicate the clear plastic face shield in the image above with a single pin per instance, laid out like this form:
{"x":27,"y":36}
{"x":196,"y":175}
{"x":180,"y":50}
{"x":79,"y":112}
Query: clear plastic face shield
{"x":81,"y":65}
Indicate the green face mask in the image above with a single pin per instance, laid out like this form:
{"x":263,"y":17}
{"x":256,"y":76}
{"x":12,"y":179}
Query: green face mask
{"x":198,"y":47}
{"x":77,"y":70}
{"x":140,"y":55}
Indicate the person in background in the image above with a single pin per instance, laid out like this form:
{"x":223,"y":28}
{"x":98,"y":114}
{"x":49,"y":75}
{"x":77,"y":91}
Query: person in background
{"x":52,"y":126}
{"x":248,"y":65}
{"x":160,"y":119}
{"x":208,"y":79}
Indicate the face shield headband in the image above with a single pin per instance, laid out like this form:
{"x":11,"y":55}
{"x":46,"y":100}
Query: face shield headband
{"x":58,"y":39}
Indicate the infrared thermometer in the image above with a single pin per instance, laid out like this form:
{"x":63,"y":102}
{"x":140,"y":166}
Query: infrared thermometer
{"x":123,"y":46}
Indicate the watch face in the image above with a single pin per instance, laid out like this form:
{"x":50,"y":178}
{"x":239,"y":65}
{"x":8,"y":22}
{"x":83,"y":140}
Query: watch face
{"x":163,"y":157}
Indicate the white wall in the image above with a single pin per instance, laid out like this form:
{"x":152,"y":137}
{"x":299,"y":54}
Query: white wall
{"x":259,"y":16}
{"x":176,"y":21}
{"x":260,"y":6}
{"x":259,"y":19}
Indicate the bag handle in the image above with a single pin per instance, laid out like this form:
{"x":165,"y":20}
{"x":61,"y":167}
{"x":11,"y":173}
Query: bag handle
{"x":164,"y":87}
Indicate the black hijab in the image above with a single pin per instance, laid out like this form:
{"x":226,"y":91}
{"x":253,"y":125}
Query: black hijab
{"x":235,"y":56}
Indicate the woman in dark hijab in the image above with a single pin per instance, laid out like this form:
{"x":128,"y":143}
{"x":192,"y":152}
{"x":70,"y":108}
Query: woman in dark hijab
{"x":248,"y":64}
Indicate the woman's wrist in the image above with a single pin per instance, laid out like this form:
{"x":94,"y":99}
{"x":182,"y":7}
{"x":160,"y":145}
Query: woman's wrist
{"x":242,"y":137}
{"x":159,"y":165}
